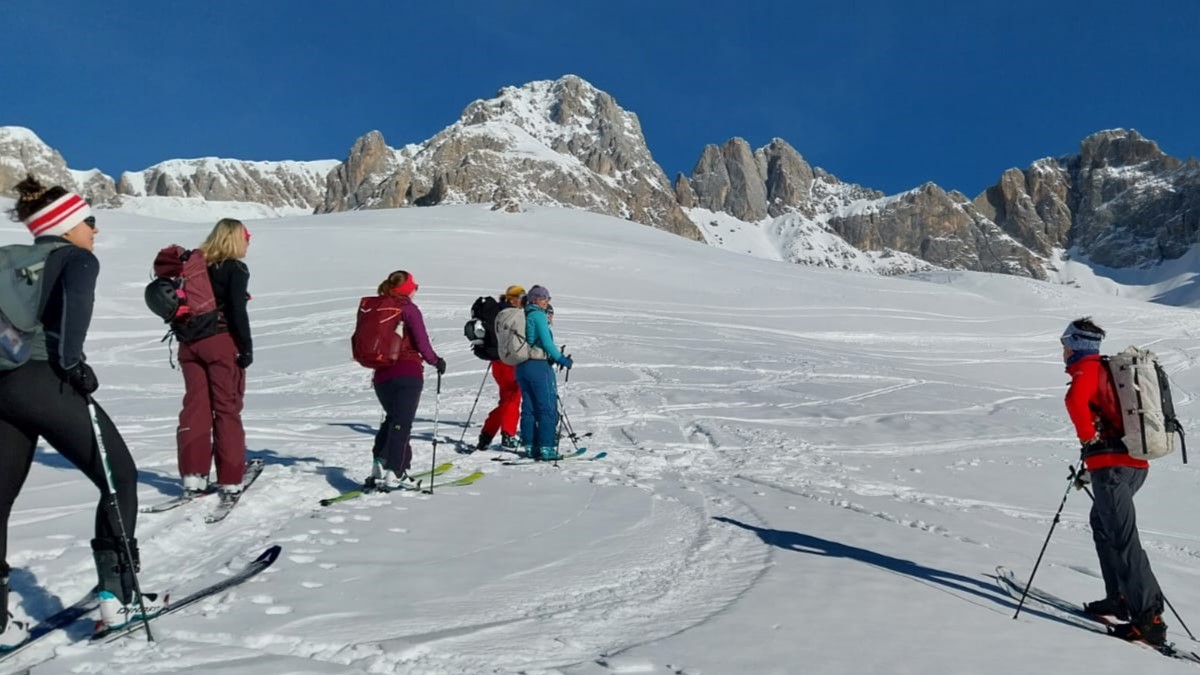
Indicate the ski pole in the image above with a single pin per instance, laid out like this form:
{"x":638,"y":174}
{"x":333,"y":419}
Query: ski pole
{"x":112,"y":494}
{"x":1165,"y":600}
{"x":565,"y":423}
{"x":437,"y":406}
{"x":1057,"y":514}
{"x":477,"y":395}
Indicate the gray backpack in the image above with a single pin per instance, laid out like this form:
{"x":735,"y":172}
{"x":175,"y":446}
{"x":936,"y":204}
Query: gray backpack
{"x":21,"y":276}
{"x":511,"y":344}
{"x":1147,"y":410}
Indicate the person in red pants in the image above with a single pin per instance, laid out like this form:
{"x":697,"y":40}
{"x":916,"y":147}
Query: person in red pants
{"x":214,"y":366}
{"x":507,"y":414}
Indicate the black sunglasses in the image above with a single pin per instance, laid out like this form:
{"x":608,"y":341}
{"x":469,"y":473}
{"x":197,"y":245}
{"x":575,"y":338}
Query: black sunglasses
{"x":90,"y":221}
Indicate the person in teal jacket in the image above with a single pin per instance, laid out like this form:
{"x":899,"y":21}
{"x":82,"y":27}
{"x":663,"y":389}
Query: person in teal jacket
{"x":539,"y":387}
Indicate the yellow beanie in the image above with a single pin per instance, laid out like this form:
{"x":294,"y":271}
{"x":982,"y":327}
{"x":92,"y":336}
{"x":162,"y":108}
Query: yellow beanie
{"x":514,"y":291}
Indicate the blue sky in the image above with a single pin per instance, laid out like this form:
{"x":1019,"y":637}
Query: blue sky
{"x":886,"y":94}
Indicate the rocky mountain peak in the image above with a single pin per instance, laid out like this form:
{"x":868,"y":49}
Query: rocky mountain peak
{"x":1119,"y":148}
{"x":558,"y":142}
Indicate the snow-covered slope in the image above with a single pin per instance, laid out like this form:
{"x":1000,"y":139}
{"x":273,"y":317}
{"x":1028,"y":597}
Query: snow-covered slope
{"x":809,"y":470}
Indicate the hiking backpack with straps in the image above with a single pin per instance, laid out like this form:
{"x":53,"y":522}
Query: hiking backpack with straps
{"x":480,"y":331}
{"x":1147,"y":410}
{"x":181,"y":294}
{"x":511,"y":345}
{"x":22,"y":268}
{"x":379,"y":339}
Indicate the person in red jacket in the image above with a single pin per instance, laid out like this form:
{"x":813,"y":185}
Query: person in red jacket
{"x":1131,"y":590}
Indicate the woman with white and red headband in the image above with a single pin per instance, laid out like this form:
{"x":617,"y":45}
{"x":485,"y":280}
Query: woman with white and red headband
{"x":46,"y":388}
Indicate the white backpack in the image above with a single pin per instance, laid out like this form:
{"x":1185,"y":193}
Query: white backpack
{"x":511,"y":344}
{"x":1146,"y":406}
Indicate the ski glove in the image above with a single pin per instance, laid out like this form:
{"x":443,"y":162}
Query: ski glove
{"x":83,"y":379}
{"x":1082,"y":479}
{"x":565,"y":362}
{"x":244,"y":360}
{"x":440,"y":365}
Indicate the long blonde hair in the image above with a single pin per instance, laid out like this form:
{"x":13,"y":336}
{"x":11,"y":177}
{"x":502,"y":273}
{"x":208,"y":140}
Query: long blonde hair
{"x":226,"y":241}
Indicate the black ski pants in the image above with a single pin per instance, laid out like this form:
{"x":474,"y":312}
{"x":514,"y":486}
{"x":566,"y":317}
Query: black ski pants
{"x":1123,"y":563}
{"x":35,"y":402}
{"x":399,"y":397}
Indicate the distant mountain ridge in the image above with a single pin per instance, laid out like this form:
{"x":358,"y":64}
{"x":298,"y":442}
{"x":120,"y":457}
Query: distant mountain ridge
{"x":1120,"y":201}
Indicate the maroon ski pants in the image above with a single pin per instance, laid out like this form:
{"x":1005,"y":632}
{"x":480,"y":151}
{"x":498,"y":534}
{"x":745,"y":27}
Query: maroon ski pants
{"x":210,"y":423}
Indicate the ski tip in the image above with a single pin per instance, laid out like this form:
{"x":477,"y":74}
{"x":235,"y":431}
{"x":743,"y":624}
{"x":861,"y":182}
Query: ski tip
{"x":270,"y":555}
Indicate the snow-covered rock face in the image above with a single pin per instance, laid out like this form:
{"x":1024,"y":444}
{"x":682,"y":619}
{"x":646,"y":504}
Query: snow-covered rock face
{"x":279,"y":187}
{"x":560,"y":142}
{"x":295,"y":185}
{"x":22,"y":153}
{"x":1121,"y":202}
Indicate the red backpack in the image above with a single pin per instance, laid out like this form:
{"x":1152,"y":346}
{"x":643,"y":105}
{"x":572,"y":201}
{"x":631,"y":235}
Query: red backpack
{"x":379,"y":339}
{"x":181,"y":294}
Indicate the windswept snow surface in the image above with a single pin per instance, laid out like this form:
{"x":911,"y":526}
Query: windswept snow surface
{"x":808,"y":471}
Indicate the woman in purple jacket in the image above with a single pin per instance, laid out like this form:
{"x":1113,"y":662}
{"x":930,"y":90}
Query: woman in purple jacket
{"x":398,"y":386}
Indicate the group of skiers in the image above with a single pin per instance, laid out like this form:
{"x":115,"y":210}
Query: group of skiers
{"x":46,"y":388}
{"x":390,"y":338}
{"x":518,"y":342}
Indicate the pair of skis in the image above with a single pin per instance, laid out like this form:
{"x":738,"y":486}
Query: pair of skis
{"x":1074,"y":613}
{"x":416,"y":483}
{"x":522,"y":459}
{"x":69,"y":615}
{"x":254,"y":468}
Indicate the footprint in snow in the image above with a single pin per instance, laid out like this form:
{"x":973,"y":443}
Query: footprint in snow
{"x":311,"y":584}
{"x":262,"y":600}
{"x":279,"y":609}
{"x":302,"y":559}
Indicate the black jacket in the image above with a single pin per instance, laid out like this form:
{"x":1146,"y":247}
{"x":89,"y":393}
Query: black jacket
{"x":230,"y":280}
{"x":68,"y":296}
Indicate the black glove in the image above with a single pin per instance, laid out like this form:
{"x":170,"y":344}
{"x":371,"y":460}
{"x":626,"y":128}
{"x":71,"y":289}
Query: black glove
{"x":441,"y":366}
{"x":83,"y":379}
{"x":1081,"y":479}
{"x":244,"y":360}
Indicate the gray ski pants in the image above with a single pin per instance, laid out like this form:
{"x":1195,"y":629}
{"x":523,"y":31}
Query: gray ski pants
{"x":1123,"y":563}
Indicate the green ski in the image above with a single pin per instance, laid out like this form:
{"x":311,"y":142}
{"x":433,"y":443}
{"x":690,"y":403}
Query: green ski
{"x":352,"y":494}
